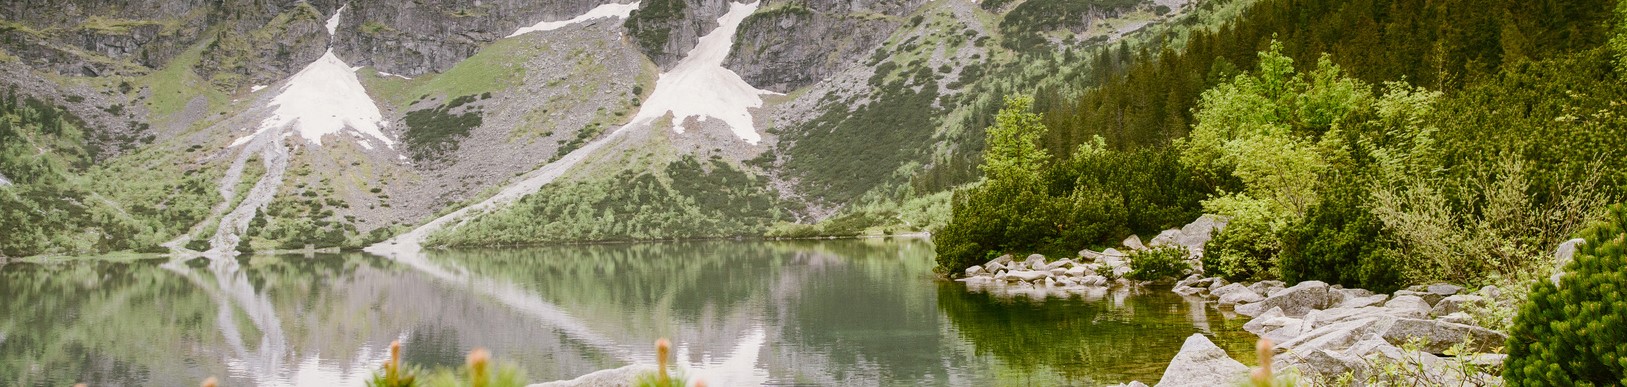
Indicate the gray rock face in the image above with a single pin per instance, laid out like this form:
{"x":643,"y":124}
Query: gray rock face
{"x":1201,"y":363}
{"x":667,"y":29}
{"x":1244,"y":296}
{"x":1445,"y":289}
{"x":1034,"y":262}
{"x":1438,"y":336}
{"x":1338,"y":296}
{"x":1334,"y":337}
{"x":788,"y":45}
{"x":1359,"y":302}
{"x":1001,"y":260}
{"x":268,"y":53}
{"x":1194,"y":235}
{"x":1294,"y":301}
{"x":1562,"y":257}
{"x":1454,"y":304}
{"x":1329,"y":364}
{"x":1429,"y":298}
{"x":91,"y":38}
{"x":1408,"y":306}
{"x":1266,"y":288}
{"x":1134,"y":243}
{"x":417,"y":37}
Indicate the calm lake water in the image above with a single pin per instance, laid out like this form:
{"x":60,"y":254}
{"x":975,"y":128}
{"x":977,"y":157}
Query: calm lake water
{"x":849,"y":312}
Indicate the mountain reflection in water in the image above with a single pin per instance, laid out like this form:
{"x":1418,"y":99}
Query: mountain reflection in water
{"x":848,"y":312}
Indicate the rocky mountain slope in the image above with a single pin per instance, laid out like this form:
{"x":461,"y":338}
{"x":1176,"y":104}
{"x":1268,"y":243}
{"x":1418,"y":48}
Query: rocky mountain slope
{"x":339,"y":124}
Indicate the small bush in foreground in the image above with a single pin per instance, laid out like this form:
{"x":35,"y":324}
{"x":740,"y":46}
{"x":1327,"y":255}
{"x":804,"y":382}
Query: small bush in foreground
{"x":1575,"y":333}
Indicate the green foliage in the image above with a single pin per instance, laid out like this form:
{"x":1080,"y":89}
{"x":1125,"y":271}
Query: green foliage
{"x":688,"y":199}
{"x":1010,"y":210}
{"x":435,"y":132}
{"x":395,"y":375}
{"x":1235,"y":252}
{"x":1013,"y":152}
{"x":1618,"y":37}
{"x":842,"y":154}
{"x":1026,"y":25}
{"x":478,"y":375}
{"x":657,"y":380}
{"x":61,"y":204}
{"x":1574,"y":333}
{"x":1340,"y":242}
{"x":1029,"y":205}
{"x":651,"y":24}
{"x":1146,"y":96}
{"x":1162,"y":262}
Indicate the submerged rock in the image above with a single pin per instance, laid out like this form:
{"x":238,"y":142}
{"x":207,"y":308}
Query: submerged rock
{"x":1201,"y":363}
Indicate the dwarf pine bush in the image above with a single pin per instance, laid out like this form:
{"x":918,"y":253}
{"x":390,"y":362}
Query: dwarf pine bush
{"x":1575,"y":333}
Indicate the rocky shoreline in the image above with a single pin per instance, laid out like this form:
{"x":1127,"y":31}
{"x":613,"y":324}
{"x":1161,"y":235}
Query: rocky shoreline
{"x":1323,"y":333}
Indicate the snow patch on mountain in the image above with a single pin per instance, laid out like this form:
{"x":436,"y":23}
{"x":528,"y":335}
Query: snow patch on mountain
{"x":333,"y":22}
{"x":621,"y":11}
{"x":324,"y":98}
{"x":699,"y":86}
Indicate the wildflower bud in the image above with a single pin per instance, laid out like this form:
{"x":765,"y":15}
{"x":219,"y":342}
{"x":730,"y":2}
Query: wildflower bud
{"x":1262,"y":375}
{"x":662,"y":348}
{"x":395,"y":355}
{"x":477,"y":366}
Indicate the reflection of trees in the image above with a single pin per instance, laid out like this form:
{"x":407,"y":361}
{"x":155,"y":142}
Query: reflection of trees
{"x":827,"y":312}
{"x":1080,"y":341}
{"x":99,"y":322}
{"x":262,"y":321}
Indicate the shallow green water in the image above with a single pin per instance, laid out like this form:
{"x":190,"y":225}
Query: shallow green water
{"x":740,"y":313}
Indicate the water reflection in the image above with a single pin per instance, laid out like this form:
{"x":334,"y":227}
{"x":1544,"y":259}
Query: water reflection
{"x":739,"y":313}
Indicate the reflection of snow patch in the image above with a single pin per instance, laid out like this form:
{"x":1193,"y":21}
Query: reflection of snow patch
{"x":324,"y":98}
{"x":738,"y":369}
{"x":603,"y":11}
{"x":700,"y":87}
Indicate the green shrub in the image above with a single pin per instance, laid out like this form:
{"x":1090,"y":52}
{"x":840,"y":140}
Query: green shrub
{"x":437,"y":131}
{"x":1158,"y":263}
{"x":1340,"y":242}
{"x":1242,"y":251}
{"x":1576,"y":333}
